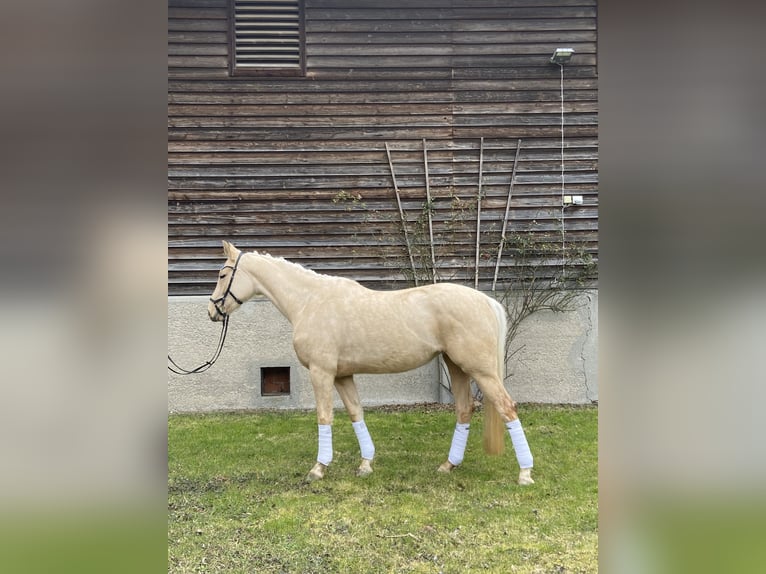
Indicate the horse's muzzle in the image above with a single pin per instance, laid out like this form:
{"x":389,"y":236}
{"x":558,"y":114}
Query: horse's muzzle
{"x":214,"y":313}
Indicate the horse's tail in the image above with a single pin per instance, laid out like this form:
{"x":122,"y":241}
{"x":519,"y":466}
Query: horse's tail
{"x":494,"y":428}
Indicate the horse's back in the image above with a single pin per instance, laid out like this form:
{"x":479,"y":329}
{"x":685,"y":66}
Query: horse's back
{"x":459,"y":301}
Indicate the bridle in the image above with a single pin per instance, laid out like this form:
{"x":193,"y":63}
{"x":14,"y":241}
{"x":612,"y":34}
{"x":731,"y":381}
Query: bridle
{"x":217,"y":303}
{"x":222,"y":298}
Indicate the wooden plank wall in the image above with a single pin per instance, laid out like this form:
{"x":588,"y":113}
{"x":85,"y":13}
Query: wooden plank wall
{"x":297,"y":167}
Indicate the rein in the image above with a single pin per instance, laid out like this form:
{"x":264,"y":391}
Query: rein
{"x":176,"y":368}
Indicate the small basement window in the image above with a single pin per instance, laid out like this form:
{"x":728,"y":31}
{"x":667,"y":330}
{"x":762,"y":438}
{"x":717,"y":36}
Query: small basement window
{"x":267,"y":38}
{"x":275,"y":381}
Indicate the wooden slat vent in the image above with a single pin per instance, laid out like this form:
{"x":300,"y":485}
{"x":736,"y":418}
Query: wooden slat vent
{"x":267,"y":35}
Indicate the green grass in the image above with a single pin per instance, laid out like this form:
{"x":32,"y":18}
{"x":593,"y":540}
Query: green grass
{"x":238,"y":501}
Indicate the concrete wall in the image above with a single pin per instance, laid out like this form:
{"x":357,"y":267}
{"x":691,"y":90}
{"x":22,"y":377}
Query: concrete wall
{"x":555,"y":362}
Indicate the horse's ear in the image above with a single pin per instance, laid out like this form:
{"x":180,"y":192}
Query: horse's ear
{"x":229,"y":250}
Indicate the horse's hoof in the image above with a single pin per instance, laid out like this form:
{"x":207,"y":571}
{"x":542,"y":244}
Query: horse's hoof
{"x":525,"y":477}
{"x":316,"y":473}
{"x":446,"y":467}
{"x":365,"y":469}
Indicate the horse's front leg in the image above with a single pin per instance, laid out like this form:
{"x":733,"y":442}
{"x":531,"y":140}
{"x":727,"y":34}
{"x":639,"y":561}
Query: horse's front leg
{"x":350,"y":396}
{"x":322,"y":381}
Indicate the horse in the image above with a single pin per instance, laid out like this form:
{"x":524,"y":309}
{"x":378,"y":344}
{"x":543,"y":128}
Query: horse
{"x":341,"y":328}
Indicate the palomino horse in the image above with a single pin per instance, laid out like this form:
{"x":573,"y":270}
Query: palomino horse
{"x":342,"y":328}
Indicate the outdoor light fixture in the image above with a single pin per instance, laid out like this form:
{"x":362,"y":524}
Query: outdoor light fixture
{"x":562,"y":55}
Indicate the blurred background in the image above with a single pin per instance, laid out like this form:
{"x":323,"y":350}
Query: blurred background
{"x":683,"y":284}
{"x":82,"y":298}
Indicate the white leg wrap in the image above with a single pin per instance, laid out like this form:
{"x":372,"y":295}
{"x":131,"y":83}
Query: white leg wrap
{"x":459,"y":441}
{"x":325,"y":444}
{"x":519,"y":440}
{"x":365,"y":440}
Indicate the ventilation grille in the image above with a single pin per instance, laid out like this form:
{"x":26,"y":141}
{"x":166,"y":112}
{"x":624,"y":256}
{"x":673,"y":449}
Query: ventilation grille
{"x":267,"y":34}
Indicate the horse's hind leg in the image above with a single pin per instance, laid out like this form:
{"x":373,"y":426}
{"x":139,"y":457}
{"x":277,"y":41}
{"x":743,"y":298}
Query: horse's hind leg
{"x":350,"y":396}
{"x":461,"y":391}
{"x":502,"y":404}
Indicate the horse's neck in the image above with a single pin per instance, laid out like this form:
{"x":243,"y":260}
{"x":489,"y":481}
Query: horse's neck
{"x":286,"y":284}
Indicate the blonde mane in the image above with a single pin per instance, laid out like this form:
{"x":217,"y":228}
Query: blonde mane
{"x":299,"y":267}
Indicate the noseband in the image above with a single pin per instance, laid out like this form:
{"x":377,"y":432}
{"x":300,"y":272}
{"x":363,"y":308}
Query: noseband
{"x":175,"y":368}
{"x":218,"y":303}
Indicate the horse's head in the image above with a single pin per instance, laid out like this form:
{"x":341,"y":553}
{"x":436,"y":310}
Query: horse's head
{"x":232,"y":289}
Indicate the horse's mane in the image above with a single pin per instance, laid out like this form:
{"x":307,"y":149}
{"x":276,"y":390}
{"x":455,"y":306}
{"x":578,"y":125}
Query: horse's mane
{"x":303,"y":269}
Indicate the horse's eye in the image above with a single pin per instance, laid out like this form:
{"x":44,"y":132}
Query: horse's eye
{"x":221,"y":276}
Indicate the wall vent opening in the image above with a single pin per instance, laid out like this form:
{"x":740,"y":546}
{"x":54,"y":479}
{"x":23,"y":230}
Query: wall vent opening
{"x":275,"y":381}
{"x":268,"y":37}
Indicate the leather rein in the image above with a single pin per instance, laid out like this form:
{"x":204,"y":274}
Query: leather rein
{"x":218,"y":304}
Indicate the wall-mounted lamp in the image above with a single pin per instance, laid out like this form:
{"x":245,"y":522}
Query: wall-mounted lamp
{"x":562,"y":55}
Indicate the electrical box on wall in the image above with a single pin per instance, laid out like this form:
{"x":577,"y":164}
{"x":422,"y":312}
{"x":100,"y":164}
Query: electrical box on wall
{"x":573,"y":200}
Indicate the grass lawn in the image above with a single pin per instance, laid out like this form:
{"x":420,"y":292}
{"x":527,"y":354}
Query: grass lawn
{"x":238,"y":502}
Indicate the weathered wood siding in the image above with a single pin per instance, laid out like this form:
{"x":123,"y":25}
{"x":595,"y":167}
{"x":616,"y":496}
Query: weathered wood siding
{"x":296,"y":166}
